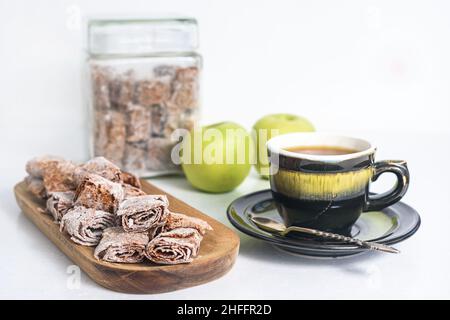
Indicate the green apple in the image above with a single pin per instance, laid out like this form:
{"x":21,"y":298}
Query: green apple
{"x":217,"y":158}
{"x":272,"y":125}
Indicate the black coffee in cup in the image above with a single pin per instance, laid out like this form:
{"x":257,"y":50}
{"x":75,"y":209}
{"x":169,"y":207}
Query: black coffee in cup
{"x":321,"y":150}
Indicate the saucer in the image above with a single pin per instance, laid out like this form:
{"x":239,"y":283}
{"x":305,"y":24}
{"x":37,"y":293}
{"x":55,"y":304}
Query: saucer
{"x":389,"y":226}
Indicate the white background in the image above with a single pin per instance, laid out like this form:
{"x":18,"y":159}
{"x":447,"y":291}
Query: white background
{"x":379,"y":69}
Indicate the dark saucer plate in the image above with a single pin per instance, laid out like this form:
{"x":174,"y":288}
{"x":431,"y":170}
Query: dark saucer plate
{"x":389,"y":226}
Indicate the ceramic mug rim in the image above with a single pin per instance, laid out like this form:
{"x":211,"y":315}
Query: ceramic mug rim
{"x":277,"y":145}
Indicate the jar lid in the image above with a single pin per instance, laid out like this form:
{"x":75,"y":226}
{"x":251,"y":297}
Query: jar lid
{"x":146,"y":36}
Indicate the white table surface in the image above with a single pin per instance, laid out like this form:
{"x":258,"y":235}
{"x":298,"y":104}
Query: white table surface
{"x":32,"y":267}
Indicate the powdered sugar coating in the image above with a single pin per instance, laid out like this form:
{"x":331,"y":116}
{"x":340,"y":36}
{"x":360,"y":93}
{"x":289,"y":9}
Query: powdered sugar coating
{"x":99,"y":203}
{"x":59,"y":177}
{"x":36,"y":186}
{"x":131,"y":179}
{"x":56,"y":173}
{"x":59,"y":203}
{"x":99,"y":193}
{"x":174,"y":247}
{"x":134,"y":105}
{"x":85,"y":225}
{"x":139,"y":214}
{"x":100,"y":166}
{"x":117,"y":245}
{"x":130,"y":191}
{"x":37,"y":166}
{"x":179,"y":220}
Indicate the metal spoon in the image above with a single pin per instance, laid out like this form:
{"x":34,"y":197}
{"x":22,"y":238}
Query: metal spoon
{"x":273,"y":226}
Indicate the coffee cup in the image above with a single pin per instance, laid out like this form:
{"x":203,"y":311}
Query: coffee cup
{"x":321,"y":180}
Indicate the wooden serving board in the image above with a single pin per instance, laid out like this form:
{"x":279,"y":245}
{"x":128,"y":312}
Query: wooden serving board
{"x":217,"y":255}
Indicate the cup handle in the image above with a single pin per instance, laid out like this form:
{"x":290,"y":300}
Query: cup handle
{"x":383,"y":200}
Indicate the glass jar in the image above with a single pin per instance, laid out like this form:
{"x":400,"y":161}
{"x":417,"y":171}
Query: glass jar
{"x":144,"y":84}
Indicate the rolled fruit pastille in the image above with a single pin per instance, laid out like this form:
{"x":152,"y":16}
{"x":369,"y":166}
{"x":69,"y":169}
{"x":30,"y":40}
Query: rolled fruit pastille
{"x":100,"y":166}
{"x":58,"y":203}
{"x":107,"y":196}
{"x":179,"y":220}
{"x":106,"y":169}
{"x":140,"y":214}
{"x":177,"y":246}
{"x":117,"y":245}
{"x":85,"y":225}
{"x":56,"y":173}
{"x":99,"y":193}
{"x":130,"y":191}
{"x":36,"y":186}
{"x":37,"y":166}
{"x":130,"y":179}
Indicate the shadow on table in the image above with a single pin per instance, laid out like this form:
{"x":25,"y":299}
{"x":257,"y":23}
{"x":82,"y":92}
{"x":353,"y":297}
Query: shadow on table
{"x":265,"y":252}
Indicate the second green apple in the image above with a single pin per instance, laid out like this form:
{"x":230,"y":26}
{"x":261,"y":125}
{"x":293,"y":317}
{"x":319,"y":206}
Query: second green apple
{"x":270,"y":126}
